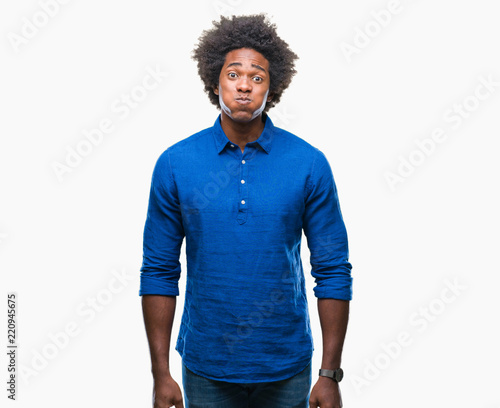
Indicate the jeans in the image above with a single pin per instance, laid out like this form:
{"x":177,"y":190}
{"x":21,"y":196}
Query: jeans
{"x":201,"y":392}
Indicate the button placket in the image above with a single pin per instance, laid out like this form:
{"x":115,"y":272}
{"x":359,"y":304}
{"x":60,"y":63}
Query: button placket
{"x":243,"y":191}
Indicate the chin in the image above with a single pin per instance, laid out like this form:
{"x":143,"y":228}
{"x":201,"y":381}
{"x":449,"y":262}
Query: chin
{"x":241,"y":116}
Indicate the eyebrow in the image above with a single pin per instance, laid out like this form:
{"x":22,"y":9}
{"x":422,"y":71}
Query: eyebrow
{"x":240,"y":64}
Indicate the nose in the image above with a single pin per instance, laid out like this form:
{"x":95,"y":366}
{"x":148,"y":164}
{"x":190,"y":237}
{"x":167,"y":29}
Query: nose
{"x":244,"y":84}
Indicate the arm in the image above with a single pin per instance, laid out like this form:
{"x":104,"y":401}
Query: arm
{"x":333,"y":315}
{"x":160,"y":273}
{"x":159,"y":314}
{"x":327,"y":240}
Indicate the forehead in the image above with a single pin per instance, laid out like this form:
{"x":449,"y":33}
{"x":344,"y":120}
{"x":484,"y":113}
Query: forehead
{"x":246,"y":56}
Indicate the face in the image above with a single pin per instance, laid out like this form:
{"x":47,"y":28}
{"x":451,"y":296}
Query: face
{"x":244,"y":85}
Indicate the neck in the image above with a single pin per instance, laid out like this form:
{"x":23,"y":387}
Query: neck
{"x":242,"y":133}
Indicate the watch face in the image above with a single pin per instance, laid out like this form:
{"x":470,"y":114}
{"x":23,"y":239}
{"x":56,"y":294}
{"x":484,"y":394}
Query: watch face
{"x":339,"y":374}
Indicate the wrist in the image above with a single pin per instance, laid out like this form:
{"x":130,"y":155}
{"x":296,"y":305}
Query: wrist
{"x":160,"y":373}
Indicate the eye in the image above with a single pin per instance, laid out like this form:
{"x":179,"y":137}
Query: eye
{"x":258,"y":79}
{"x":232,"y":75}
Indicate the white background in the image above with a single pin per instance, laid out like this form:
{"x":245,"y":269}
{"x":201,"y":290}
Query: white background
{"x":61,"y":240}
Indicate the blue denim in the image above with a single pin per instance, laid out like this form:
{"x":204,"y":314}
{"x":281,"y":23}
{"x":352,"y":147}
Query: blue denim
{"x":201,"y":392}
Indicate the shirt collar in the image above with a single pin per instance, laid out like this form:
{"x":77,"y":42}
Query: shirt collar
{"x":265,"y":139}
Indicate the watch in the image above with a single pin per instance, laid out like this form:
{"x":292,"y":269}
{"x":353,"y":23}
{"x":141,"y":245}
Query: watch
{"x":335,"y":375}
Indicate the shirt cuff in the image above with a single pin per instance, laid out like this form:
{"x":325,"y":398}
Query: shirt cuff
{"x":158,"y":286}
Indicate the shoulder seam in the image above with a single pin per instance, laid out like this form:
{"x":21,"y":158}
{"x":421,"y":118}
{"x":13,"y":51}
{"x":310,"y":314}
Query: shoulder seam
{"x":310,"y":184}
{"x":172,"y":176}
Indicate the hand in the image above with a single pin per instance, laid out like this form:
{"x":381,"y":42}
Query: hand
{"x":166,"y":393}
{"x":325,"y":394}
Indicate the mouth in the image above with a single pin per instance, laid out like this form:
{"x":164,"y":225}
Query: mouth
{"x":243,"y":101}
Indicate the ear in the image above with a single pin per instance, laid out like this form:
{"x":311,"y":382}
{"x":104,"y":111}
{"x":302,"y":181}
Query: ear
{"x":270,"y":97}
{"x":216,"y":90}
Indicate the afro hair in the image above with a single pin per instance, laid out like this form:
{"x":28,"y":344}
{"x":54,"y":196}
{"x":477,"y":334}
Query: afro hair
{"x":250,"y":31}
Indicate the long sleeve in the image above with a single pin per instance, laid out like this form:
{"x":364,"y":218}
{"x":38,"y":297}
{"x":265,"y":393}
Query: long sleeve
{"x":163,"y":234}
{"x":326,"y":234}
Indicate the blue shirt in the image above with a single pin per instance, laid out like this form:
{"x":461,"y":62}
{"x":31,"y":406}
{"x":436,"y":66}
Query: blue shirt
{"x":245,"y":316}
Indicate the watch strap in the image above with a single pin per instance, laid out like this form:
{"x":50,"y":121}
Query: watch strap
{"x":335,"y":375}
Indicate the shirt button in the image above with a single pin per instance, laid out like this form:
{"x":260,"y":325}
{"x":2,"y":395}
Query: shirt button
{"x":242,"y":201}
{"x":243,"y":161}
{"x":242,"y":181}
{"x":232,"y":145}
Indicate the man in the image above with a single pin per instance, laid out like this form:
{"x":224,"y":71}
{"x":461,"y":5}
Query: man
{"x":241,"y":192}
